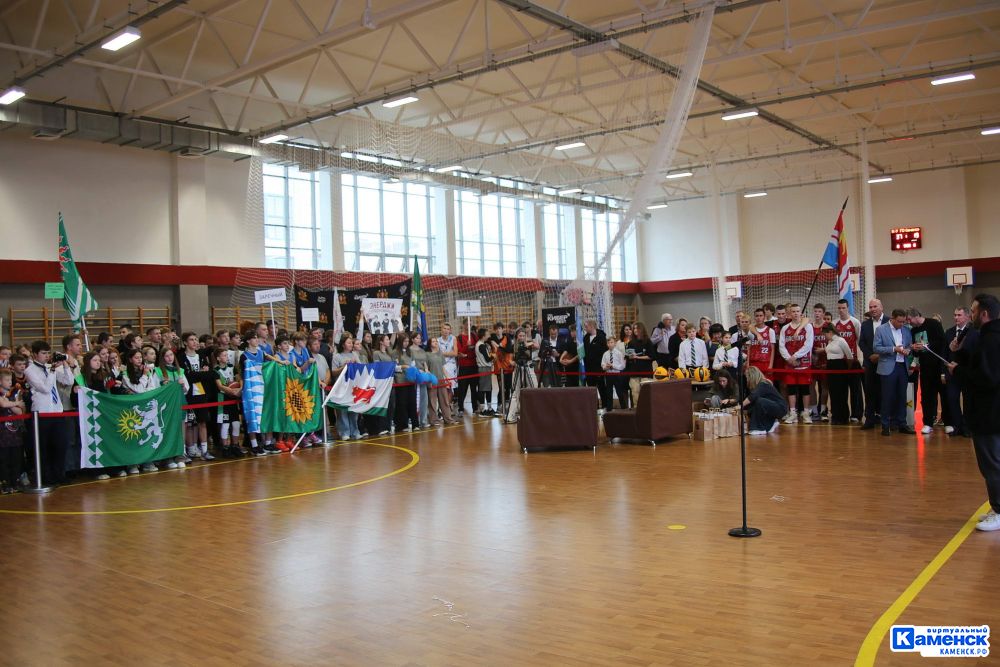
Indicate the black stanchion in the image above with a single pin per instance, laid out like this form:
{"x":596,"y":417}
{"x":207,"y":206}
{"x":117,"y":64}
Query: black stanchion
{"x":744,"y":530}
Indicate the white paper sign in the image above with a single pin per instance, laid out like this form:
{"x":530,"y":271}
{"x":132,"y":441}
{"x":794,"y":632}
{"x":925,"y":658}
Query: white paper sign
{"x":382,"y":315}
{"x":269,"y":295}
{"x":468,"y":308}
{"x":310,"y":314}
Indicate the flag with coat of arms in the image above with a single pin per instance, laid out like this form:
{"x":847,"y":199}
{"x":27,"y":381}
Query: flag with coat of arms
{"x":130,"y":430}
{"x":363,"y":388}
{"x":835,"y":256}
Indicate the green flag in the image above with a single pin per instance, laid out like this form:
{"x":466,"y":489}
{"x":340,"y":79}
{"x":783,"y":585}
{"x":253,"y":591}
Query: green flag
{"x":291,"y":400}
{"x":130,"y":430}
{"x":77,"y":299}
{"x":417,"y":302}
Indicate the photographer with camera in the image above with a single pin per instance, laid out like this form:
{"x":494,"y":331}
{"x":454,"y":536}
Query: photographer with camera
{"x":548,"y":353}
{"x":46,"y":381}
{"x":523,"y":374}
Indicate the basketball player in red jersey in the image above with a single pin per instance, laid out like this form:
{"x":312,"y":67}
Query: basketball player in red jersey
{"x":795,"y":345}
{"x":818,"y":390}
{"x":849,"y":328}
{"x":760,"y":346}
{"x":776,"y":325}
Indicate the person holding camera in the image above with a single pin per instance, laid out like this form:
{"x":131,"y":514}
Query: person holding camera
{"x":548,"y":353}
{"x":46,"y":379}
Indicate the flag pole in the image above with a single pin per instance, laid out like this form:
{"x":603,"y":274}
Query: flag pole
{"x":805,"y":304}
{"x":86,"y":336}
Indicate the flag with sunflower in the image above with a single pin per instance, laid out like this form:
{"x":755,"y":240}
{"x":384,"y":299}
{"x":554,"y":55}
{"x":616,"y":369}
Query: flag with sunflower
{"x":130,"y":430}
{"x":291,"y":400}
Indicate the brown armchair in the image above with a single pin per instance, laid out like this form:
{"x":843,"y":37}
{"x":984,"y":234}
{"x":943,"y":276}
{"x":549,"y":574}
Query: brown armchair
{"x":558,"y":418}
{"x":664,"y":409}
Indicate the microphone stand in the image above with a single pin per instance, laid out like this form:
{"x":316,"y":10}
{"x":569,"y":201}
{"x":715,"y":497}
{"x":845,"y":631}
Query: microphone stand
{"x":744,"y":530}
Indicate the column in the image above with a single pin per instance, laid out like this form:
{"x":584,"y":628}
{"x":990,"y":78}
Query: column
{"x":866,"y":225}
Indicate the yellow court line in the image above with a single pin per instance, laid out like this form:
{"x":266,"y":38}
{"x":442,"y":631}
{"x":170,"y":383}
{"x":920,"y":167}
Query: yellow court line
{"x":414,"y":459}
{"x":869,"y":648}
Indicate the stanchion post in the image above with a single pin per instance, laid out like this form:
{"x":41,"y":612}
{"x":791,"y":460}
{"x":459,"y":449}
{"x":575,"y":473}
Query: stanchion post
{"x":744,"y":530}
{"x":38,"y":489}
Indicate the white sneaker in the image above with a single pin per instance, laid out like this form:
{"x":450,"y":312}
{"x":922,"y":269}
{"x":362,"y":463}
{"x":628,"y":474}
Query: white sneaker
{"x":949,"y":429}
{"x":926,"y":429}
{"x":181,"y":464}
{"x":807,"y":418}
{"x":150,"y":467}
{"x":172,"y":465}
{"x":791,"y":417}
{"x":983,"y":517}
{"x":122,"y":473}
{"x":192,"y":451}
{"x":205,"y":455}
{"x":756,"y":432}
{"x":133,"y":470}
{"x":103,"y":476}
{"x":989,"y":523}
{"x":774,"y":426}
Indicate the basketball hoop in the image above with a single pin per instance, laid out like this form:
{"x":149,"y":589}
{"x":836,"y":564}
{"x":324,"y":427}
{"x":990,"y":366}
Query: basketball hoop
{"x":958,"y":287}
{"x":958,"y":277}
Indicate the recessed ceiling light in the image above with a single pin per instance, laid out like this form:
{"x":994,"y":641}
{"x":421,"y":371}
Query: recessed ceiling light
{"x":399,"y":101}
{"x":566,"y":147}
{"x":12,"y":95}
{"x":880,"y":179}
{"x":681,"y":174}
{"x":122,"y":39}
{"x":986,"y":132}
{"x":954,"y":78}
{"x":274,"y":138}
{"x":736,"y":115}
{"x":653,"y":207}
{"x":563,"y":193}
{"x":751,"y":195}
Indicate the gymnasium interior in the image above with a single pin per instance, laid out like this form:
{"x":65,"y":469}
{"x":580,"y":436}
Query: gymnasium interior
{"x":618,"y":160}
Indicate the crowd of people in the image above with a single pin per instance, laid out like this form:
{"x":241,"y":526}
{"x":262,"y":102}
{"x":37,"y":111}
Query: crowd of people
{"x":787,"y":366}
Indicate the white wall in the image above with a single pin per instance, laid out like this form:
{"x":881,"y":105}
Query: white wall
{"x":122,"y":204}
{"x":958,"y":209}
{"x":682,"y":241}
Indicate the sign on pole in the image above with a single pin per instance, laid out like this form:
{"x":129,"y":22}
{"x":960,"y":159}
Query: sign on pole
{"x":468,"y":308}
{"x":310,"y":315}
{"x":269,"y":295}
{"x":55,"y":290}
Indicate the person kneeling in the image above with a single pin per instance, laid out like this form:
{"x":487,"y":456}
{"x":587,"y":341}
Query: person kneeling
{"x":765,"y":405}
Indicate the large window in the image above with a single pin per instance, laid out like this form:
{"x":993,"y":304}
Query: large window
{"x":557,"y":239}
{"x":385,"y":224}
{"x":490,"y":235}
{"x":296,"y":219}
{"x":599,"y":229}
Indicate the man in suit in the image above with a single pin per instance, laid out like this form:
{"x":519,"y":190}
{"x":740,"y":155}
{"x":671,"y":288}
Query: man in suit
{"x":595,"y":344}
{"x":866,"y":342}
{"x":959,"y":341}
{"x":893,"y":342}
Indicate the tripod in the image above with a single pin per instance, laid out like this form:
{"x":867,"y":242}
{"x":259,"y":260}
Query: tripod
{"x":550,"y":376}
{"x":522,"y":377}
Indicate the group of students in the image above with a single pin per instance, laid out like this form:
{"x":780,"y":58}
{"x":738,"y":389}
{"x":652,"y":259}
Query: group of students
{"x":222,"y":369}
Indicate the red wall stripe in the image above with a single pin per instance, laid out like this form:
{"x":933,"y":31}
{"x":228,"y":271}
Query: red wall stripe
{"x":19,"y":272}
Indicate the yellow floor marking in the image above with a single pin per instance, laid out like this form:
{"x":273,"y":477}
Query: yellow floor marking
{"x":414,"y":459}
{"x":869,"y":648}
{"x":676,"y":526}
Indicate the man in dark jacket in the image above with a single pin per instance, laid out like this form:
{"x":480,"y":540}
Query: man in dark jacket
{"x":982,"y":377}
{"x":928,"y":339}
{"x":959,"y":341}
{"x":866,"y":342}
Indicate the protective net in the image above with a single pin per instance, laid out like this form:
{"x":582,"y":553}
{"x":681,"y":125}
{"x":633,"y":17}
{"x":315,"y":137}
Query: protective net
{"x":782,"y":288}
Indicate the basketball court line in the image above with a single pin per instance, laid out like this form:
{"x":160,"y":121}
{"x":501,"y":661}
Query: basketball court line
{"x":872,"y":643}
{"x":414,"y":459}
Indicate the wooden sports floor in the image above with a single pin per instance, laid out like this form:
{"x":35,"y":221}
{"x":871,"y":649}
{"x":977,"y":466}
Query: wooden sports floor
{"x":477,"y":554}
